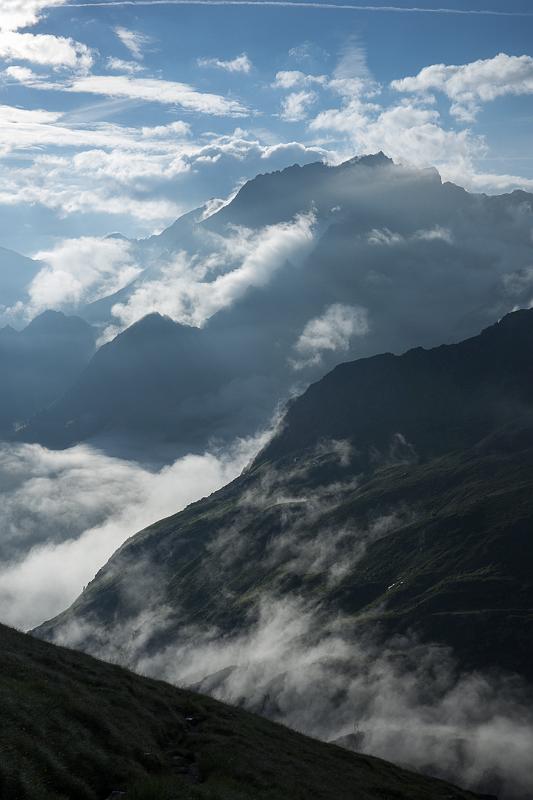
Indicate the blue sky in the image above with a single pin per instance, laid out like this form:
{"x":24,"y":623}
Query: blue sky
{"x":122,"y":116}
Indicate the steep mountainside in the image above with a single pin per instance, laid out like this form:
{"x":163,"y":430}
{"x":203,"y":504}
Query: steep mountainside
{"x":74,"y":727}
{"x":16,"y":273}
{"x":396,"y":501}
{"x":38,"y":363}
{"x":383,"y":258}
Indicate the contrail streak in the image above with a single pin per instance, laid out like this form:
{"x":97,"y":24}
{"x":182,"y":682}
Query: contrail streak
{"x":302,"y":4}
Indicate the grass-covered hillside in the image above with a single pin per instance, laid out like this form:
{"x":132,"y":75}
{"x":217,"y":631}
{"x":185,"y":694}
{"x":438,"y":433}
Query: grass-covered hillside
{"x":75,"y":728}
{"x":418,"y":519}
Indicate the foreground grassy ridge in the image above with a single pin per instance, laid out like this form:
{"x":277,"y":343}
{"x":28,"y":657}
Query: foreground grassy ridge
{"x":78,"y":728}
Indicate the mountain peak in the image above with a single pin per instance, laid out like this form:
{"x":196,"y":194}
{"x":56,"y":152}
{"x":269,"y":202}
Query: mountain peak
{"x":153,"y":322}
{"x":370,"y":160}
{"x":50,"y":321}
{"x":117,"y":235}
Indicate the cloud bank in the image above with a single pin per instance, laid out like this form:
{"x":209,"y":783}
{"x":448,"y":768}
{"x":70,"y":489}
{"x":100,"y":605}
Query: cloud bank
{"x":63,"y":514}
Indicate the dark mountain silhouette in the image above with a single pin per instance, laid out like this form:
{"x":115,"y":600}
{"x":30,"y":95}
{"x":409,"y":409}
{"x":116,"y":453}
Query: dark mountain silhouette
{"x":152,"y":382}
{"x":420,"y":261}
{"x":38,"y":363}
{"x":76,"y":727}
{"x":397,"y":497}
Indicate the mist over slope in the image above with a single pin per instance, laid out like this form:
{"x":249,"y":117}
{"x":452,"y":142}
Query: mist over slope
{"x":301,"y":269}
{"x":75,"y":727}
{"x":337,"y":582}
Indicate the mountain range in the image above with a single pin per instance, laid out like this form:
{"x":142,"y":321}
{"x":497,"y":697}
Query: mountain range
{"x":387,"y":519}
{"x":302,"y":268}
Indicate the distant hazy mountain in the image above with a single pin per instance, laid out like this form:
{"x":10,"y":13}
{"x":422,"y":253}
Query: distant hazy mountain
{"x":38,"y":363}
{"x":75,"y":727}
{"x":398,"y":259}
{"x":156,"y":382}
{"x":16,"y":273}
{"x":397,"y":497}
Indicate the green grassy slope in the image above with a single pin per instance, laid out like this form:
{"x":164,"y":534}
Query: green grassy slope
{"x":457,"y":554}
{"x":74,"y":727}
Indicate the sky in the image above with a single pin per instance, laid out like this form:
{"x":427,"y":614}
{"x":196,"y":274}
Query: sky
{"x":120,"y":115}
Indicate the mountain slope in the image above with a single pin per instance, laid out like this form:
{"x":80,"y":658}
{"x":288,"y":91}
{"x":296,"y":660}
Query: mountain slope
{"x":38,"y":363}
{"x":76,"y":727}
{"x":16,"y":273}
{"x":148,"y":380}
{"x":392,"y":510}
{"x":384,"y":258}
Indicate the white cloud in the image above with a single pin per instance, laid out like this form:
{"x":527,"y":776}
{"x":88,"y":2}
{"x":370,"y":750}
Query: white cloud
{"x":333,"y":330}
{"x":177,"y":128}
{"x":119,"y":65}
{"x":412,"y":131}
{"x":63,"y":514}
{"x":238,"y":64}
{"x":296,"y":104}
{"x":352,"y":62}
{"x":45,"y":49}
{"x":134,"y":41}
{"x":292,"y":79}
{"x":81,"y":270}
{"x":15,"y":14}
{"x":182,"y":292}
{"x":385,"y":237}
{"x":469,"y":85}
{"x":153,"y":90}
{"x":350,"y":77}
{"x":407,"y":133}
{"x":122,"y":170}
{"x":21,"y":75}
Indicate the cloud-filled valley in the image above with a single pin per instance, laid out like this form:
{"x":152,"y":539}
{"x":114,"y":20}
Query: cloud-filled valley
{"x":298,"y":270}
{"x":64,"y":513}
{"x":266,"y":407}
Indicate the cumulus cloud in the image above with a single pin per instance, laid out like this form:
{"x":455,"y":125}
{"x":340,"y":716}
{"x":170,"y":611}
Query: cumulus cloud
{"x":238,"y":64}
{"x":63,"y":514}
{"x":43,"y":49}
{"x":183,"y":290}
{"x":295,"y":105}
{"x":469,"y":85}
{"x":291,"y":79}
{"x":24,"y":13}
{"x":120,"y":170}
{"x":412,"y":130}
{"x":333,"y":330}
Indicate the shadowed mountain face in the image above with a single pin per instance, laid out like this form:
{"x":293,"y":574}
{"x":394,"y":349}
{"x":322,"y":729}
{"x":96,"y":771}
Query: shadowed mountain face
{"x":393,"y":509}
{"x":73,"y":726}
{"x":384,"y":258}
{"x":38,"y":363}
{"x":16,"y":273}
